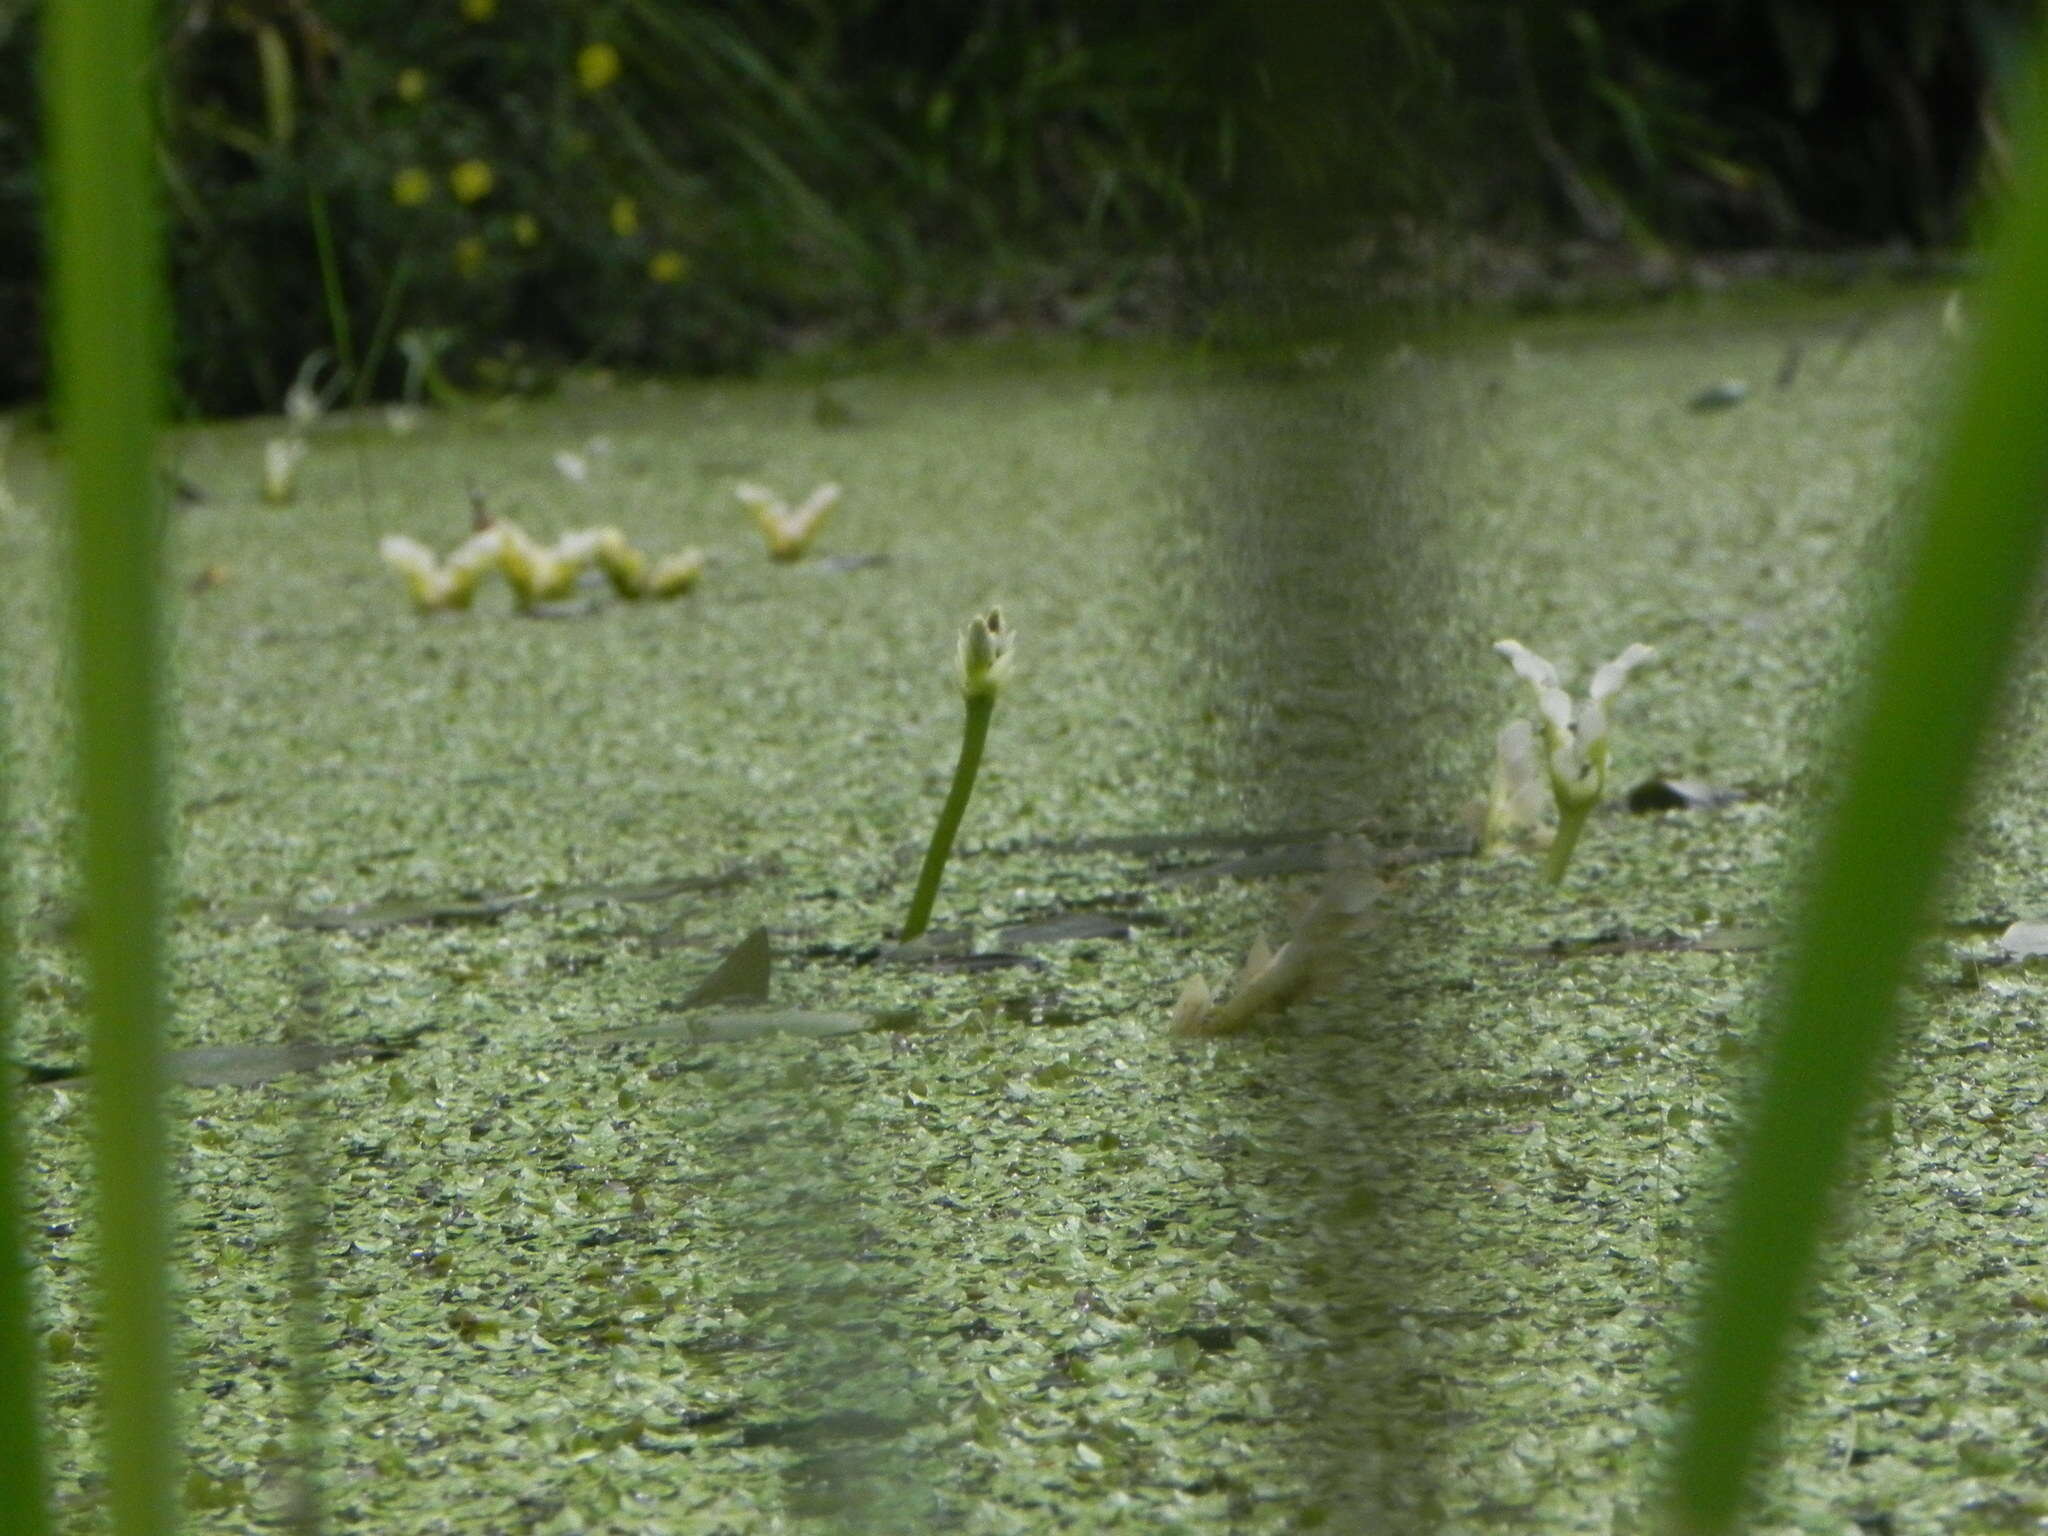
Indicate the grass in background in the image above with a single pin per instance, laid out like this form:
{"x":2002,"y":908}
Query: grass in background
{"x":108,"y":297}
{"x":1939,"y":671}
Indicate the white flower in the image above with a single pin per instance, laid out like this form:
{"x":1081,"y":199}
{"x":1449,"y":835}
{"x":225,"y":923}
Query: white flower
{"x":542,"y":573}
{"x":1574,"y":736}
{"x":788,"y":532}
{"x":437,"y":585}
{"x":984,"y":655}
{"x":281,"y":459}
{"x":306,"y":399}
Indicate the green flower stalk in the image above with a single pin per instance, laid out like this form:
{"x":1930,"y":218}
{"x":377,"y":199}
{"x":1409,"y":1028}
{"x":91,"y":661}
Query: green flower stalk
{"x":1574,"y":739}
{"x":984,"y":665}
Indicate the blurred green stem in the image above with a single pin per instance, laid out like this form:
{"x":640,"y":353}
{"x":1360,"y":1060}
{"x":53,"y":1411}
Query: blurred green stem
{"x":1571,"y":821}
{"x":980,"y":710}
{"x":107,"y":294}
{"x":1931,"y":698}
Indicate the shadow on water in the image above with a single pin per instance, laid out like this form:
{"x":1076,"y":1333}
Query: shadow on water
{"x":1320,"y":585}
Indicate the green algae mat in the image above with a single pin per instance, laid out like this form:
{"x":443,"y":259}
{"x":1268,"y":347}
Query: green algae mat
{"x":970,"y":1241}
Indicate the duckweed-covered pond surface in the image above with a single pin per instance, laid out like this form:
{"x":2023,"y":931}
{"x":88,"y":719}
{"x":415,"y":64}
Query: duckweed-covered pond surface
{"x":1416,"y":1256}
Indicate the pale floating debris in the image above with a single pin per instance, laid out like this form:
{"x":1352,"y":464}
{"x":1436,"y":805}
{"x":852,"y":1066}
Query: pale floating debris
{"x":2025,"y":938}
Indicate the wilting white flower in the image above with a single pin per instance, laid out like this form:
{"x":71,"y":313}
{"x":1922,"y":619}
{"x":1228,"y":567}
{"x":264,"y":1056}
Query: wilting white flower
{"x":1512,"y":811}
{"x":1270,"y":979}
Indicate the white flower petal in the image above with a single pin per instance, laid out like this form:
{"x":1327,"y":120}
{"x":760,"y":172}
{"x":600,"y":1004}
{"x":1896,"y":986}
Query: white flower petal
{"x":1607,"y":680}
{"x":1530,"y":667}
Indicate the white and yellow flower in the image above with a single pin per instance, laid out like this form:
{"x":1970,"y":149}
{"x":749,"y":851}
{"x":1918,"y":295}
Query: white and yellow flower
{"x":1575,"y":746}
{"x":788,"y":531}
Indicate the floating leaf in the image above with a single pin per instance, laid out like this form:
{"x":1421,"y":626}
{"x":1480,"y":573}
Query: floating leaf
{"x":740,"y":977}
{"x":244,"y":1066}
{"x":1719,"y":396}
{"x":751,"y":1024}
{"x":1680,"y":795}
{"x":1068,"y":927}
{"x":484,"y":907}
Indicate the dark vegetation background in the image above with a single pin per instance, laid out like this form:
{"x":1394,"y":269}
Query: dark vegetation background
{"x":521,"y":185}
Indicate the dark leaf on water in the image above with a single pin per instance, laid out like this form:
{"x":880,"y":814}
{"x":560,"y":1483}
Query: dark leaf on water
{"x":740,"y":977}
{"x":751,"y":1024}
{"x":245,"y":1066}
{"x":1068,"y":927}
{"x":1171,"y":842}
{"x":949,"y":951}
{"x":1620,"y":942}
{"x":1680,"y":795}
{"x":489,"y":906}
{"x":1294,"y":859}
{"x":366,"y":917}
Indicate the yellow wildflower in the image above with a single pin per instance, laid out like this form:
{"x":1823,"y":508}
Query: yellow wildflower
{"x":625,"y":217}
{"x":411,"y":187}
{"x":668,"y":266}
{"x":469,"y":255}
{"x":525,"y":229}
{"x":471,"y":181}
{"x":412,"y":85}
{"x":479,"y":10}
{"x":597,"y":66}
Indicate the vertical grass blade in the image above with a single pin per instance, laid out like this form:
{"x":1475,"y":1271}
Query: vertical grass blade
{"x":1924,"y":714}
{"x":23,"y":1507}
{"x":108,"y":366}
